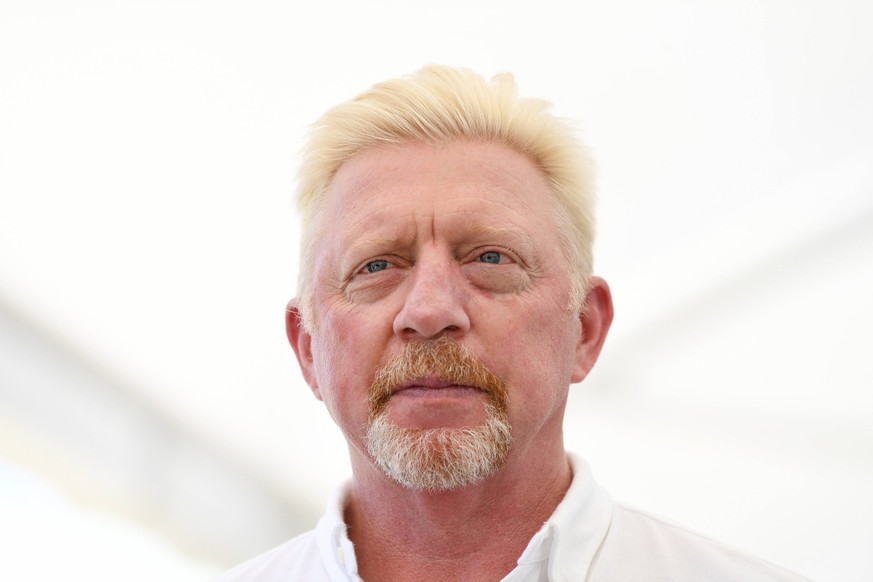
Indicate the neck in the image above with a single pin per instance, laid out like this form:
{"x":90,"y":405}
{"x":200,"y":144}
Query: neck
{"x":404,"y":534}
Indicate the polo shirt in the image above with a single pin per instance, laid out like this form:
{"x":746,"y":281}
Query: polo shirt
{"x":588,"y":538}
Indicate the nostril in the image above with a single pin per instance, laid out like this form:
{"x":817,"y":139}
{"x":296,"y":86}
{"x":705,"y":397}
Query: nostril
{"x":414,"y":332}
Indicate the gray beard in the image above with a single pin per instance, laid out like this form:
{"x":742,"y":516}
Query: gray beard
{"x":440,"y":459}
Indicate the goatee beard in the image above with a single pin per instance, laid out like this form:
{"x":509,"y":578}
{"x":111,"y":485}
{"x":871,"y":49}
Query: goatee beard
{"x":438,"y":459}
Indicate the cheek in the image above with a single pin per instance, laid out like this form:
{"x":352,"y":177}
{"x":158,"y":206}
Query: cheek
{"x":543,"y":361}
{"x":346,"y":353}
{"x":343,"y":390}
{"x":539,"y":359}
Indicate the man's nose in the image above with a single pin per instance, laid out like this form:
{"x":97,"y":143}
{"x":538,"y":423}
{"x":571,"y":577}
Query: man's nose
{"x":436,"y":302}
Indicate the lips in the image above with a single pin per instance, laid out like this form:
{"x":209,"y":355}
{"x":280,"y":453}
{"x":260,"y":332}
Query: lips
{"x":440,"y":370}
{"x":430,"y":383}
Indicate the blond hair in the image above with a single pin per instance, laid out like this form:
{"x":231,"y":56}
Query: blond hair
{"x":438,"y":105}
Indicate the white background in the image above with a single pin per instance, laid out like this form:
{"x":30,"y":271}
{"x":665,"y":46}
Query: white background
{"x":147,"y":159}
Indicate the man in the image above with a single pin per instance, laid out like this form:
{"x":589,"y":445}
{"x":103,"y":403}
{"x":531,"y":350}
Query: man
{"x":446,"y":304}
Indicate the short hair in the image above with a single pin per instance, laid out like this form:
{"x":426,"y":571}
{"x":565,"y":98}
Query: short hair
{"x":439,"y":105}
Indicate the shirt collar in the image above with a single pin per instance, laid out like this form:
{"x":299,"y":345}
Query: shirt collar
{"x":569,"y":539}
{"x":334,"y":545}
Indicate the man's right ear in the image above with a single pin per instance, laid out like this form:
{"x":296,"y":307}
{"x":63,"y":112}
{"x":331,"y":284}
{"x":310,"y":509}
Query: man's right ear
{"x":301,"y":342}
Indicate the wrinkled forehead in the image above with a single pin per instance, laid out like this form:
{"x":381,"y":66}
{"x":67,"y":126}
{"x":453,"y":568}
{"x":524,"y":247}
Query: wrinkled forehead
{"x":409,"y":174}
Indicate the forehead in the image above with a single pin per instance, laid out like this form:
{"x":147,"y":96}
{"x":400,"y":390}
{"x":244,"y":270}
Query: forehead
{"x":385,"y":183}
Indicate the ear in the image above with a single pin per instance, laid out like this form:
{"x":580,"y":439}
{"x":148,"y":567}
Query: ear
{"x":301,"y":343}
{"x":596,"y":317}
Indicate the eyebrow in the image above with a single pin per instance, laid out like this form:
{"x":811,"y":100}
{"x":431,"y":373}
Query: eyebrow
{"x":489,"y":231}
{"x":369,"y":243}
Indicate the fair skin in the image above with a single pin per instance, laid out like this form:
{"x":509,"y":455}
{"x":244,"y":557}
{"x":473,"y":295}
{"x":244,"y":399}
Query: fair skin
{"x":457,"y":240}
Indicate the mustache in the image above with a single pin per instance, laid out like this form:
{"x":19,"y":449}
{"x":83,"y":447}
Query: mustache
{"x":443,"y":358}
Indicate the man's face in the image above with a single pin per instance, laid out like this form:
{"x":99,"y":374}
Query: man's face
{"x":460,"y":242}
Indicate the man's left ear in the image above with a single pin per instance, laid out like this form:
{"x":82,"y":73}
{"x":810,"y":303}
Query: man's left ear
{"x":596,"y":317}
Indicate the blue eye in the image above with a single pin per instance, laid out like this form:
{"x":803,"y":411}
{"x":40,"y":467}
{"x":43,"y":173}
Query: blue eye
{"x":490,"y":257}
{"x":375,"y":266}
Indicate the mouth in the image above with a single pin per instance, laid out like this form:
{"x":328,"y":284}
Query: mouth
{"x":440,"y":376}
{"x":435,"y":403}
{"x":435,"y":384}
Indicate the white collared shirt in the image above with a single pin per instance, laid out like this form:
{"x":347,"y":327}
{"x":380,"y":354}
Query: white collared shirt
{"x":588,"y":538}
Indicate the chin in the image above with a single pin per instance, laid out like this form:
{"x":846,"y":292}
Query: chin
{"x":440,"y":459}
